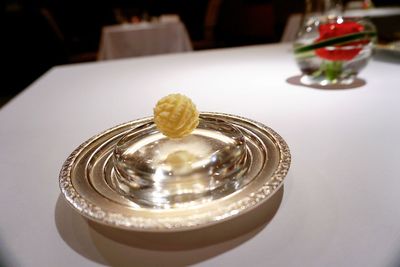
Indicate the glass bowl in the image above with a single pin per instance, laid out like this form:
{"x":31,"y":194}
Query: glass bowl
{"x":333,"y":50}
{"x":154,"y":170}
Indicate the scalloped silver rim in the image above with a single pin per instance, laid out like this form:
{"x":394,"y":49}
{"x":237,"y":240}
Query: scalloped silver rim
{"x":167,"y":224}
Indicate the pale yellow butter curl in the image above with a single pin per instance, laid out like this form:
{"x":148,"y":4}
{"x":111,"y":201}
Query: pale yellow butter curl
{"x":176,"y":116}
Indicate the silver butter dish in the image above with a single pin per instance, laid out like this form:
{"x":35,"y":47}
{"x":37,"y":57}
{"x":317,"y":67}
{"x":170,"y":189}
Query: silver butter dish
{"x":133,"y":177}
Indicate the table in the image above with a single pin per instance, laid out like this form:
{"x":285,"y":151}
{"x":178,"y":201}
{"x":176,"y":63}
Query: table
{"x":373,"y":12}
{"x":339,"y":205}
{"x":145,"y":38}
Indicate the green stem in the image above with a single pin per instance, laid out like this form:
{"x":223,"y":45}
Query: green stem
{"x":333,"y":69}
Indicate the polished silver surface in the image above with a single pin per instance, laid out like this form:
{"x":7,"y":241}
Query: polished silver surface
{"x":87,"y":180}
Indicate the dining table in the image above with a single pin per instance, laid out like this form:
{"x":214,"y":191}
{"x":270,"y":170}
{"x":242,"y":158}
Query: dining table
{"x":168,"y":35}
{"x":339,"y":204}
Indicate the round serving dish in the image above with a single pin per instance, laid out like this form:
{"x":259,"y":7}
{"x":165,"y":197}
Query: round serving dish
{"x":86,"y":181}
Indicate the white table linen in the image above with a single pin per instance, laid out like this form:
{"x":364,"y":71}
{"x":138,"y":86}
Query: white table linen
{"x":146,"y":38}
{"x":340,"y":203}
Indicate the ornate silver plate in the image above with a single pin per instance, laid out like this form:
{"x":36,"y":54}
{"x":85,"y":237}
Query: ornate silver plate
{"x":87,"y":184}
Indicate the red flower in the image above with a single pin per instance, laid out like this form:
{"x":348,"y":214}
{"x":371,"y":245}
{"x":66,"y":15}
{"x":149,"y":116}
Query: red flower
{"x":341,"y":52}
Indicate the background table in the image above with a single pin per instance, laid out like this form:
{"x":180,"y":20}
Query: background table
{"x":132,"y":40}
{"x":339,"y":205}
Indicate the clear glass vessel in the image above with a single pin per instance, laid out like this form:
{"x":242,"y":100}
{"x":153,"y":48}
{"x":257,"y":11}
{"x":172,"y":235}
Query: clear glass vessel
{"x":160,"y":172}
{"x":331,"y":48}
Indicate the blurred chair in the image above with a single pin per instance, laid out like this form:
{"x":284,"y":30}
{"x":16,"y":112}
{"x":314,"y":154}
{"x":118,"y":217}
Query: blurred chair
{"x":292,"y":26}
{"x":81,"y":22}
{"x":210,"y":22}
{"x":245,"y":23}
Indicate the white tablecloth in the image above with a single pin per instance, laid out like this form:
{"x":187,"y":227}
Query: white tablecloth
{"x":340,"y":201}
{"x":374,"y":12}
{"x":132,"y":40}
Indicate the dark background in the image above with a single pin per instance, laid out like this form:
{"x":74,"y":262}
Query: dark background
{"x":41,"y":34}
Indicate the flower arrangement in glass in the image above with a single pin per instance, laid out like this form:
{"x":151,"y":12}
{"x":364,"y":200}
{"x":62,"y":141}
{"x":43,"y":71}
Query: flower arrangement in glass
{"x":330,"y":48}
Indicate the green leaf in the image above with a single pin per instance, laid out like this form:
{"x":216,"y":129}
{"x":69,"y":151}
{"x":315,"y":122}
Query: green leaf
{"x":336,"y":41}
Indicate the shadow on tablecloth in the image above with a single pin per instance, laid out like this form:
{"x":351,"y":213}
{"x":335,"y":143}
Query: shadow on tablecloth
{"x":112,"y":246}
